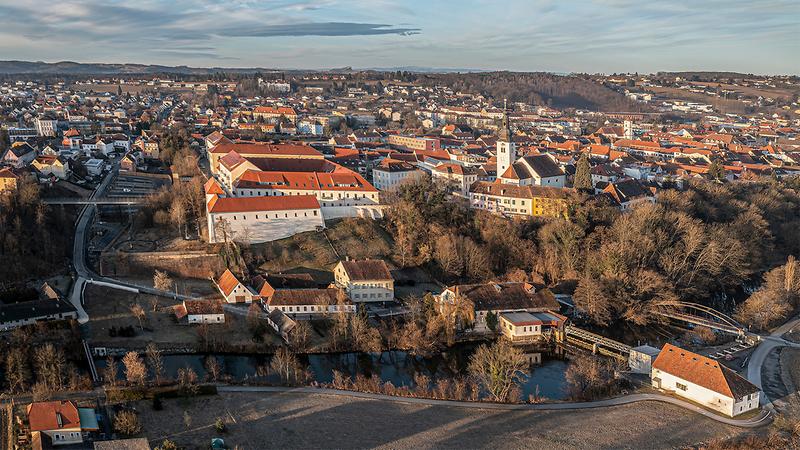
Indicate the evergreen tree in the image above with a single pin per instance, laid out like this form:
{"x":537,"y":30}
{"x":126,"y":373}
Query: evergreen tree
{"x":583,"y":174}
{"x":716,"y":171}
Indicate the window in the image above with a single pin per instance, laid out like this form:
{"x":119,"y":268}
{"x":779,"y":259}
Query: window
{"x":680,"y":386}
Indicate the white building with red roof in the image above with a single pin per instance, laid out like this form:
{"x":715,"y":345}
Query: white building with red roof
{"x":233,"y":290}
{"x":261,"y":219}
{"x":703,"y":381}
{"x":58,"y":420}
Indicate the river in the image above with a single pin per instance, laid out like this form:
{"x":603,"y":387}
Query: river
{"x":545,"y":377}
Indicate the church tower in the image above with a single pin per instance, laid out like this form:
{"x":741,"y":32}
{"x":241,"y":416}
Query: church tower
{"x":506,"y":151}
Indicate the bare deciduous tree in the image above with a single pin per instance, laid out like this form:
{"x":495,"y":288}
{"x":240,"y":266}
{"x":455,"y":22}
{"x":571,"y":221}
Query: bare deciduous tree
{"x":138,"y":312}
{"x":162,"y":281}
{"x":497,"y":368}
{"x":126,"y":422}
{"x":135,"y":370}
{"x":155,"y":361}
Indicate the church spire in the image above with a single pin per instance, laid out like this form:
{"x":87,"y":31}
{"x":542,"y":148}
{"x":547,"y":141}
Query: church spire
{"x":504,"y":134}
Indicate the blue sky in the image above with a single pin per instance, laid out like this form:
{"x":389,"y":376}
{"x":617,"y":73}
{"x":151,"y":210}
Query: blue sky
{"x":550,"y":35}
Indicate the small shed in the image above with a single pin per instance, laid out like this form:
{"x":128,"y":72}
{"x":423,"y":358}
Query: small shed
{"x":641,"y":358}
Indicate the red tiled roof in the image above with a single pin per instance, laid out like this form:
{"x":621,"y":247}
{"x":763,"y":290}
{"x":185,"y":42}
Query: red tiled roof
{"x":272,"y":110}
{"x":251,"y":148}
{"x":227,"y":281}
{"x":212,"y":187}
{"x":255,"y":204}
{"x":43,"y":416}
{"x":702,"y":371}
{"x":367,"y":270}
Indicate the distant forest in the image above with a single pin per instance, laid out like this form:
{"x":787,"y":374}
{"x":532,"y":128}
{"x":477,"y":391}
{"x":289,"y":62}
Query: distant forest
{"x":558,"y":91}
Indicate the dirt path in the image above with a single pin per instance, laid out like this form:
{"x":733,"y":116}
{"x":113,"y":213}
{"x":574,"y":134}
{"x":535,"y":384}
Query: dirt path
{"x":320,"y":421}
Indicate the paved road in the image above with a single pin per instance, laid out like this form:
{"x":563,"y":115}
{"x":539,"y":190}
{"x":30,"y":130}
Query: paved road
{"x":759,"y":355}
{"x":762,"y":419}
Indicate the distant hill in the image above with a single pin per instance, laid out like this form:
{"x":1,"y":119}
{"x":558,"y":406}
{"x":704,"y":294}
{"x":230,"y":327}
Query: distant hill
{"x":74,"y":68}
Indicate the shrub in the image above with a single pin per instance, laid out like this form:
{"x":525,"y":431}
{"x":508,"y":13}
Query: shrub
{"x":126,"y":422}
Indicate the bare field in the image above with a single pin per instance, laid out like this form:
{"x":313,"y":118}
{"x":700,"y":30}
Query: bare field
{"x":320,"y":421}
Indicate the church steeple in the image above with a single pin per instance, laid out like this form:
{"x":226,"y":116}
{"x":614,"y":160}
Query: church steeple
{"x":506,"y":151}
{"x":504,"y":134}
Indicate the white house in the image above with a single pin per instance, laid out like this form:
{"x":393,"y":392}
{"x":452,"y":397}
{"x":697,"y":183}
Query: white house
{"x":261,"y":219}
{"x":94,"y":166}
{"x":391,"y":173}
{"x":457,"y":175}
{"x":200,"y":311}
{"x":703,"y":381}
{"x":365,"y":281}
{"x":308,"y":303}
{"x":523,"y":326}
{"x":233,"y":290}
{"x":494,"y":298}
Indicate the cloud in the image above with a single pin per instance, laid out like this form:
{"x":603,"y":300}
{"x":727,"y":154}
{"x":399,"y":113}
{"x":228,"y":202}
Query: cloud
{"x":318,"y":29}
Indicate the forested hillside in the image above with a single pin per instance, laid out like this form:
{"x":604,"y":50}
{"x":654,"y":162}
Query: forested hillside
{"x":558,"y":91}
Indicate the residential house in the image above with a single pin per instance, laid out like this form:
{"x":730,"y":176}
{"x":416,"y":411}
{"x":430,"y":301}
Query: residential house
{"x":308,"y":303}
{"x":390,"y":173}
{"x":200,"y":311}
{"x":520,"y":201}
{"x":19,"y":155}
{"x":494,"y":298}
{"x":704,"y":381}
{"x":233,"y":290}
{"x":46,"y":308}
{"x":8,"y":180}
{"x":57,"y":422}
{"x":366,"y":280}
{"x":459,"y":176}
{"x":628,"y":193}
{"x":52,"y":166}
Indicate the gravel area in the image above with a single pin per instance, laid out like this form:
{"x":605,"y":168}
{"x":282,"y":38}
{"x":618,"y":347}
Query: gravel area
{"x":294,"y":420}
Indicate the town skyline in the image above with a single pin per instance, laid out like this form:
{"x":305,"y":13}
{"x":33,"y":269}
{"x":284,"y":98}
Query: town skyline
{"x":592,"y":36}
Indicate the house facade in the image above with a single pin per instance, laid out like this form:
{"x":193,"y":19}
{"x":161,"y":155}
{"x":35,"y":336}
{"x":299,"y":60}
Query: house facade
{"x":703,"y":381}
{"x":365,"y":281}
{"x":500,"y":297}
{"x":200,"y":311}
{"x":511,"y":200}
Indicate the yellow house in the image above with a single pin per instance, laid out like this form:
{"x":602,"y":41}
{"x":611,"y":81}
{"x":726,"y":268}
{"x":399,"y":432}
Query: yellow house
{"x":8,"y":180}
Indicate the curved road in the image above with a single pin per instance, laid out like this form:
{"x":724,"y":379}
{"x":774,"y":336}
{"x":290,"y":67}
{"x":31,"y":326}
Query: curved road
{"x":85,"y":275}
{"x":762,"y":419}
{"x":759,"y":355}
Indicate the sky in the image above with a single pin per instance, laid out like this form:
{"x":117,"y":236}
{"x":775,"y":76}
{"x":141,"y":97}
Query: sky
{"x":595,"y":36}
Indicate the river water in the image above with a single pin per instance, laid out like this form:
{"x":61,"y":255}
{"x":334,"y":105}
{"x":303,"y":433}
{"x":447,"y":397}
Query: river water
{"x":545,"y":377}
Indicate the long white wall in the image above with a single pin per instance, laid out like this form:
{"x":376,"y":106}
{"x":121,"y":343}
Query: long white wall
{"x":264,"y":226}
